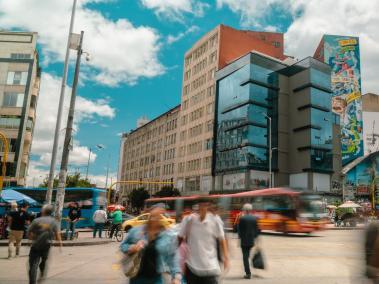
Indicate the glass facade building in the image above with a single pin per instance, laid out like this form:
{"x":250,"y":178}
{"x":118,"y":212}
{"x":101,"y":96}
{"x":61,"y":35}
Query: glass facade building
{"x":297,"y":98}
{"x":246,"y":97}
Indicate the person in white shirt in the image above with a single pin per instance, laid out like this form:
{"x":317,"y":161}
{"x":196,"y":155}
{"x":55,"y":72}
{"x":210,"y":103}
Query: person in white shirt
{"x":100,"y":218}
{"x":202,"y":232}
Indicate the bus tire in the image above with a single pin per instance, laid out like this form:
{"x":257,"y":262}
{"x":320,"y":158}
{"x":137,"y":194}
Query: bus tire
{"x":127,"y":228}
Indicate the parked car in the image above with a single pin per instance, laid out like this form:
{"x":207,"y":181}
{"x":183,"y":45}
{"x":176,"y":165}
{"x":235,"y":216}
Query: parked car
{"x":142,"y":219}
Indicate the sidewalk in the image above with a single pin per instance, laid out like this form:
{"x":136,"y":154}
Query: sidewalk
{"x":85,"y":239}
{"x":358,"y":227}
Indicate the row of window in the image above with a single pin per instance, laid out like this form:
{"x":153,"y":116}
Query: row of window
{"x":170,"y":139}
{"x":13,"y":122}
{"x":200,"y":81}
{"x":211,"y":43}
{"x":194,"y":165}
{"x":20,"y":55}
{"x":169,"y":154}
{"x":199,"y":97}
{"x":194,"y":148}
{"x":168,"y":169}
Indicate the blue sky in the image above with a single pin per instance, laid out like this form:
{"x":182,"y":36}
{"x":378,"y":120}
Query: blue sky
{"x":137,"y":49}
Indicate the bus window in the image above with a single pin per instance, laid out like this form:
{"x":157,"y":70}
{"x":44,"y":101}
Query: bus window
{"x":257,"y":203}
{"x":102,"y":199}
{"x":277,"y":203}
{"x":83,"y":197}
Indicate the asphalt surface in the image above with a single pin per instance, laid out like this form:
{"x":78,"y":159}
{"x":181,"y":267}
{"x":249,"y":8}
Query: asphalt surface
{"x":333,"y":256}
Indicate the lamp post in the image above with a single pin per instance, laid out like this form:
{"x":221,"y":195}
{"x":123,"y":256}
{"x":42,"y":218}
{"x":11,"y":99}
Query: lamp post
{"x":50,"y":182}
{"x":269,"y":150}
{"x":68,"y":137}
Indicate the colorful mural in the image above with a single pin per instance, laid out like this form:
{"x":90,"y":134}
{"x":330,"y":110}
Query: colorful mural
{"x":342,"y":55}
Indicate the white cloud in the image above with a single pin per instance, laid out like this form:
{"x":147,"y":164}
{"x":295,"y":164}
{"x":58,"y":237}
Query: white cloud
{"x":253,"y":12}
{"x":121,"y":52}
{"x":86,"y":110}
{"x":312,"y":19}
{"x":171,"y":38}
{"x":175,"y":10}
{"x":99,"y":180}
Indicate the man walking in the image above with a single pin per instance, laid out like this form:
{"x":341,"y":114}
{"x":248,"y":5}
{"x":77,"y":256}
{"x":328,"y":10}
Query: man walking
{"x":42,"y":231}
{"x":202,"y":232}
{"x":248,"y":231}
{"x":17,"y":221}
{"x":99,"y":217}
{"x":74,"y":215}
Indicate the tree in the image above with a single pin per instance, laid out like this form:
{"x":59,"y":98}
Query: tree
{"x":74,"y":180}
{"x":167,"y":191}
{"x":137,"y":197}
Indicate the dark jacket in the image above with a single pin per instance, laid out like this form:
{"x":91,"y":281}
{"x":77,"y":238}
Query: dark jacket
{"x":74,"y":213}
{"x":248,"y":230}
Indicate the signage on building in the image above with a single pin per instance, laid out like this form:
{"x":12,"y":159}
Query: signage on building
{"x":259,"y":179}
{"x":234,"y":181}
{"x":363,"y":190}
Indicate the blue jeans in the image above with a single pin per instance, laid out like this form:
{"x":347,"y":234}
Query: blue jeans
{"x":98,"y":227}
{"x":143,"y":280}
{"x":70,"y":227}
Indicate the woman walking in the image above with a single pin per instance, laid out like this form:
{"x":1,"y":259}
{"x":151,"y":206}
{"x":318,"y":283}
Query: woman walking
{"x":159,"y":251}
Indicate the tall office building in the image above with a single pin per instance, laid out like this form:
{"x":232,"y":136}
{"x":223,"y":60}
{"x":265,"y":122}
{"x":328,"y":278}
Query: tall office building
{"x":257,"y":88}
{"x":211,"y":53}
{"x":148,"y":153}
{"x":19,"y":89}
{"x":341,"y":53}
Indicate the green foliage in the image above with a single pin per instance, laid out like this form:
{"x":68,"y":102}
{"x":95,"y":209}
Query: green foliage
{"x":167,"y":191}
{"x":137,"y":197}
{"x":74,"y":180}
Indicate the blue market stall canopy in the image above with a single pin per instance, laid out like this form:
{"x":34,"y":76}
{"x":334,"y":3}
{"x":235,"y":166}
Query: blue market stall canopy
{"x":9,"y":195}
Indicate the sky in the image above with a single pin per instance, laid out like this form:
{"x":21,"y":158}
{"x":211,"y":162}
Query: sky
{"x":136,"y":52}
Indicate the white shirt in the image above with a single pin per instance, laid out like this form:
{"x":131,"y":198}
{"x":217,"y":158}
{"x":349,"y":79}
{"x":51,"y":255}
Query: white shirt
{"x":100,"y":216}
{"x":201,"y":239}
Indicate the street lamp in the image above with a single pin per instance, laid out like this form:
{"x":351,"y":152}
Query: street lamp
{"x":269,"y":149}
{"x":98,"y":146}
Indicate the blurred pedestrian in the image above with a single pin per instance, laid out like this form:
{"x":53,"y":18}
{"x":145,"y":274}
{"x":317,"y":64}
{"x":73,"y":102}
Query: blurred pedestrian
{"x":74,"y":215}
{"x":100,"y":218}
{"x":41,"y":231}
{"x":248,"y":231}
{"x":17,"y":220}
{"x":372,"y":252}
{"x":159,"y":251}
{"x":200,"y":232}
{"x":116,"y":221}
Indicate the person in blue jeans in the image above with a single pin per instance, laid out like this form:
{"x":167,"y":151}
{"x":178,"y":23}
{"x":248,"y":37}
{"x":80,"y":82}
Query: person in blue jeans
{"x":100,"y":218}
{"x":74,"y":215}
{"x":159,"y":251}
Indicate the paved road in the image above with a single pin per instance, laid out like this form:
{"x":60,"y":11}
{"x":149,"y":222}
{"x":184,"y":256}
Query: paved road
{"x":327,"y":257}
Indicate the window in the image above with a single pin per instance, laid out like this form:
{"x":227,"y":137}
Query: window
{"x":33,"y":102}
{"x":13,"y":99}
{"x":208,"y":144}
{"x":17,"y":78}
{"x":210,"y":125}
{"x":11,"y":122}
{"x":20,"y":56}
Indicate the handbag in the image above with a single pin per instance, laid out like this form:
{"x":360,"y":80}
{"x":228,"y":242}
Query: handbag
{"x":131,"y":263}
{"x":257,"y":261}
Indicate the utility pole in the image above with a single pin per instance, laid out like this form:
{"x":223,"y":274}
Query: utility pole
{"x":66,"y":146}
{"x":50,"y":182}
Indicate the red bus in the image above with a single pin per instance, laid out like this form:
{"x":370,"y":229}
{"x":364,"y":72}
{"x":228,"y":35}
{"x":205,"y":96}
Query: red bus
{"x":278,"y":209}
{"x":281,"y":209}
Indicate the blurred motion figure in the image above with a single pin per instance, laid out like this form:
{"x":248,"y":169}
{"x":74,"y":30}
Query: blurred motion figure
{"x":159,"y":251}
{"x":41,"y":231}
{"x":372,"y":252}
{"x":248,"y":231}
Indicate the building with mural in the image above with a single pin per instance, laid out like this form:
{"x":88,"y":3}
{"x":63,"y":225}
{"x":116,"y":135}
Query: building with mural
{"x":362,"y":179}
{"x":341,"y":53}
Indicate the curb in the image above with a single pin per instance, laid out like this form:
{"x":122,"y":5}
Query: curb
{"x":64,"y":243}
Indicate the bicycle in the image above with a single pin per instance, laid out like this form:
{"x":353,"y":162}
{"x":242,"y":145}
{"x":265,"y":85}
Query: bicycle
{"x":118,"y":234}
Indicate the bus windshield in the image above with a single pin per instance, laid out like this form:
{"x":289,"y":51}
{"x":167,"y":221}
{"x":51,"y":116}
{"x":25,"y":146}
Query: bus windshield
{"x":310,"y":204}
